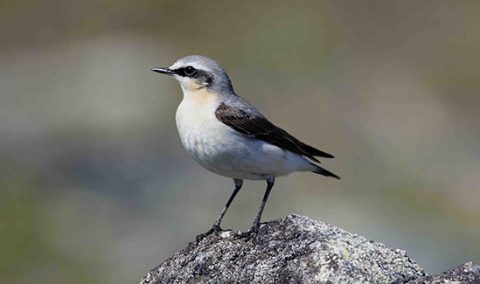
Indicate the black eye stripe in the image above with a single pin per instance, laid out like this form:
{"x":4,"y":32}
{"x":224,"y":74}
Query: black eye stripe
{"x":202,"y":76}
{"x":188,"y":71}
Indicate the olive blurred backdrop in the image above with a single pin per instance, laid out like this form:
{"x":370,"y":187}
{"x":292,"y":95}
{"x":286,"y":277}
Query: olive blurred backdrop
{"x":96,"y":187}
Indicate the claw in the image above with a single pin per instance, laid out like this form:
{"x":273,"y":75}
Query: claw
{"x":254,"y":229}
{"x":244,"y":234}
{"x":216,"y":229}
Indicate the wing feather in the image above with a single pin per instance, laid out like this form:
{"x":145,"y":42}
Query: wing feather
{"x":259,"y":127}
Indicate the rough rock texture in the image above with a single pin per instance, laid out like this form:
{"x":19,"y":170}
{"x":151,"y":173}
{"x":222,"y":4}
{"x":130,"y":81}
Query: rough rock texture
{"x":294,"y":249}
{"x":467,"y":273}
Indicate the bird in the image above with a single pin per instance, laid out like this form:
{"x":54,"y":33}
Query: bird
{"x":230,"y":137}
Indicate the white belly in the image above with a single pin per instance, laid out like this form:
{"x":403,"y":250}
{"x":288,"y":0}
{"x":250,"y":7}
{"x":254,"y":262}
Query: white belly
{"x":222,"y":150}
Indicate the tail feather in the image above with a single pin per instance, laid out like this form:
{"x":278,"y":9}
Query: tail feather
{"x":321,"y":171}
{"x":315,"y":152}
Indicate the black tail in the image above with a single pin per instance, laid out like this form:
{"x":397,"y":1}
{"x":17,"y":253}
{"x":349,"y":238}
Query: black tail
{"x":321,"y":171}
{"x":315,"y":152}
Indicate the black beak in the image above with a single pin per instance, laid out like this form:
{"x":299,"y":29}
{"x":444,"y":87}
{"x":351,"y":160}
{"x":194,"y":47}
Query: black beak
{"x":163,"y":70}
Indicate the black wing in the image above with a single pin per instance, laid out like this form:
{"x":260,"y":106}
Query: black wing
{"x":259,"y":127}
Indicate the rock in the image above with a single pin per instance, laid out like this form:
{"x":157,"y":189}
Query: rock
{"x":294,"y":249}
{"x":467,"y":273}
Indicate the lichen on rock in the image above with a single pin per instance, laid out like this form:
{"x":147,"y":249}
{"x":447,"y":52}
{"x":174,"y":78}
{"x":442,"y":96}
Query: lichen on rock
{"x":294,"y":249}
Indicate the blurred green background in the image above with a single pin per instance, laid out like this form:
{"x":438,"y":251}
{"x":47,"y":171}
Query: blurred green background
{"x":95,"y":186}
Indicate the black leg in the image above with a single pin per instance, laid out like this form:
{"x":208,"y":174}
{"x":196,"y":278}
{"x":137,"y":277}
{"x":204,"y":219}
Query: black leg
{"x":256,"y":222}
{"x":238,"y":186}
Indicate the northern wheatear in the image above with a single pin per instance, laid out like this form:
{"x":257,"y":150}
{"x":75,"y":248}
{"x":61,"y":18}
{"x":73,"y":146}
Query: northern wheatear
{"x":230,"y":137}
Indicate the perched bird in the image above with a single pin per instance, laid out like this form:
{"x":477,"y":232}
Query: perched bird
{"x":228,"y":136}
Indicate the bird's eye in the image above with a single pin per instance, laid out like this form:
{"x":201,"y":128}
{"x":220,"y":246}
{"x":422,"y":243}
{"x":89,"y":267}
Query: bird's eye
{"x":189,"y":71}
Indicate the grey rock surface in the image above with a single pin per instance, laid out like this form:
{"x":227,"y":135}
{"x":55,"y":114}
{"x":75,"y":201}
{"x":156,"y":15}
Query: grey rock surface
{"x":467,"y":273}
{"x":294,"y":249}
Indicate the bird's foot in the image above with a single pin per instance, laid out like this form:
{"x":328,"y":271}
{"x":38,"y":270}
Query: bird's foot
{"x":216,"y":229}
{"x":244,"y":234}
{"x":251,"y":233}
{"x":254,"y":229}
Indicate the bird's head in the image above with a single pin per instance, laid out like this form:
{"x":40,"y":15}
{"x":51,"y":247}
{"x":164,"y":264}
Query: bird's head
{"x":196,"y":72}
